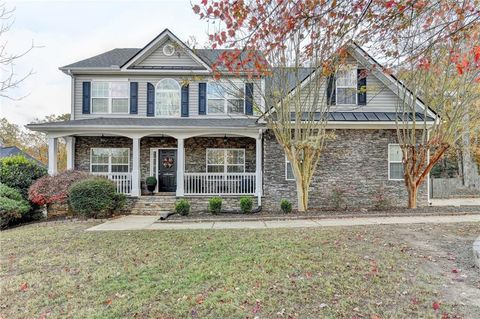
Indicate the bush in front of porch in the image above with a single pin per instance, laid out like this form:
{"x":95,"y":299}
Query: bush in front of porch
{"x":95,"y":197}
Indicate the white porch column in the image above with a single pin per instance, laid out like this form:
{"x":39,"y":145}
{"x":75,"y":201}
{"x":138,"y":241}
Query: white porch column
{"x":180,"y":166}
{"x":70,"y":141}
{"x":136,"y":192}
{"x":52,"y":155}
{"x":258,"y":168}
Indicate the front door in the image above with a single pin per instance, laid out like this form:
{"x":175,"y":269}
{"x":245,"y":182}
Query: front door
{"x":167,"y":170}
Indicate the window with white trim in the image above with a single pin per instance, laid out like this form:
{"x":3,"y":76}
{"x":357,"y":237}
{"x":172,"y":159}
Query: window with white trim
{"x":395,"y":163}
{"x":225,"y":160}
{"x":288,"y":170}
{"x":225,"y":98}
{"x":110,"y":97}
{"x":109,"y":160}
{"x":346,"y":86}
{"x":167,"y":98}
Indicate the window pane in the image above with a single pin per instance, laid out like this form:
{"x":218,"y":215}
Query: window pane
{"x":99,"y":105}
{"x":168,"y":85}
{"x":119,"y":89}
{"x":395,"y":153}
{"x":120,"y":168}
{"x":119,"y":156}
{"x":235,"y":169}
{"x":235,"y":106}
{"x":120,"y":106}
{"x":215,"y":91}
{"x":99,"y":89}
{"x":168,"y":103}
{"x":216,"y":106}
{"x":100,"y":156}
{"x":347,"y":78}
{"x":99,"y":168}
{"x":396,"y":171}
{"x":215,"y":168}
{"x":215,"y":156}
{"x":346,"y":96}
{"x":289,"y":171}
{"x":235,"y":157}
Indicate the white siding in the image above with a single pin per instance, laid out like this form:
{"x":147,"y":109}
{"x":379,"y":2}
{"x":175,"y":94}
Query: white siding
{"x":158,"y":58}
{"x":142,"y":93}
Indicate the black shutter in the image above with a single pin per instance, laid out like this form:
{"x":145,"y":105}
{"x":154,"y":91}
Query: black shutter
{"x":150,"y":99}
{"x":185,"y":101}
{"x":133,"y":97}
{"x":202,"y":98}
{"x":86,"y":98}
{"x":362,"y":87}
{"x":331,"y":94}
{"x":249,"y":98}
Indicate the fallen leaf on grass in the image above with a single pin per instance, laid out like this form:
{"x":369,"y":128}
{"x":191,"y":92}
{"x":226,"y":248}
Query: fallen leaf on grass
{"x":435,"y":305}
{"x":108,"y":302}
{"x":23,"y":286}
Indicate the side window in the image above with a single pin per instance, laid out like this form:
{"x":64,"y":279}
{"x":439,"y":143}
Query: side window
{"x":110,"y":97}
{"x":395,"y":164}
{"x":109,"y":160}
{"x":288,"y":170}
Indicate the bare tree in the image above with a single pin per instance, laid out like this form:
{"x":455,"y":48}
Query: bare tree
{"x":9,"y":79}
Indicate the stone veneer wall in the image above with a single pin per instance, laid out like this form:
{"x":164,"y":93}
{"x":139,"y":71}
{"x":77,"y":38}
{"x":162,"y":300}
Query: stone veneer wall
{"x":357,"y":160}
{"x":195,"y":151}
{"x":196,"y":148}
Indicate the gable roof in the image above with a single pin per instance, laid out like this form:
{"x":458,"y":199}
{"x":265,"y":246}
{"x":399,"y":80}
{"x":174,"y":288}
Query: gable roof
{"x":153,"y":45}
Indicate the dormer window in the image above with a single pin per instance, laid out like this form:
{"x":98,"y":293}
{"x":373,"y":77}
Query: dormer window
{"x":167,"y":98}
{"x":347,"y":86}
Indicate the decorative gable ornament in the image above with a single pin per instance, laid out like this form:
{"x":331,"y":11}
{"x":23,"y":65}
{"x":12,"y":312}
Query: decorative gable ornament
{"x":168,"y":49}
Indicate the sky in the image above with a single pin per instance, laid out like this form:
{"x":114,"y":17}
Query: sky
{"x":64,"y":32}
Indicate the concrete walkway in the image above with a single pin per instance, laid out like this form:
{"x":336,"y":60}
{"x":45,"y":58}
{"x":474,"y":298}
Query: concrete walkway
{"x":134,"y":222}
{"x":456,"y":202}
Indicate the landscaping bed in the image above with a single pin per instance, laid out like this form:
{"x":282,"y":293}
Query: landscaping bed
{"x":317,"y":213}
{"x":381,"y":271}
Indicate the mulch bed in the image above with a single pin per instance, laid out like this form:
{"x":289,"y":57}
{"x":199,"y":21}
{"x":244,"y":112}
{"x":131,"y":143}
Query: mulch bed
{"x":269,"y":215}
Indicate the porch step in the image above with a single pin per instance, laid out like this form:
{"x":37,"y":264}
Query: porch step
{"x":153,"y":205}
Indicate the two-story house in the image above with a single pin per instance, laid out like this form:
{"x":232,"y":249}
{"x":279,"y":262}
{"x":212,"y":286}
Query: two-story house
{"x":158,"y":111}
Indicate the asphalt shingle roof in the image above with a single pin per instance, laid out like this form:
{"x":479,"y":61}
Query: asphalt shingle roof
{"x":119,"y":56}
{"x":156,"y":122}
{"x":13,"y":151}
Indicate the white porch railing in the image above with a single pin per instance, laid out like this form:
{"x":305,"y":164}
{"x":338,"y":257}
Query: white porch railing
{"x":219,"y":183}
{"x":123,"y":181}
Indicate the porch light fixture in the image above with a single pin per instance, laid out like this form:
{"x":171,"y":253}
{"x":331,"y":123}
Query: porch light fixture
{"x":103,"y":139}
{"x":225,"y":140}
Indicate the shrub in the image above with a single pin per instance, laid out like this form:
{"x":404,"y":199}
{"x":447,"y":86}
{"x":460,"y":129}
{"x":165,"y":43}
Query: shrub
{"x":215,"y":205}
{"x":54,"y":189}
{"x":286,"y":206}
{"x":381,"y":200}
{"x":182,"y":207}
{"x":246,"y":204}
{"x":338,"y":197}
{"x":94,"y":197}
{"x":151,"y":181}
{"x":12,"y":206}
{"x":19,"y":172}
{"x":9,"y":192}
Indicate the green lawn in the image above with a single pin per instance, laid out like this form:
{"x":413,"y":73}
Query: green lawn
{"x":386,"y":271}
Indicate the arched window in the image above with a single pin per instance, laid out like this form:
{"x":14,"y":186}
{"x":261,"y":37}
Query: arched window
{"x":167,"y":98}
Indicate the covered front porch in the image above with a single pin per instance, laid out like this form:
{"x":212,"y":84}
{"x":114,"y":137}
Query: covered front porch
{"x":207,"y":162}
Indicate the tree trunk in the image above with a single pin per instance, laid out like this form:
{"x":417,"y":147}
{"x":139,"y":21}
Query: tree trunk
{"x":412,"y":196}
{"x":469,"y":168}
{"x":302,"y":195}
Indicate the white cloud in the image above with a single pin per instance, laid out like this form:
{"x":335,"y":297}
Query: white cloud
{"x":68,"y":33}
